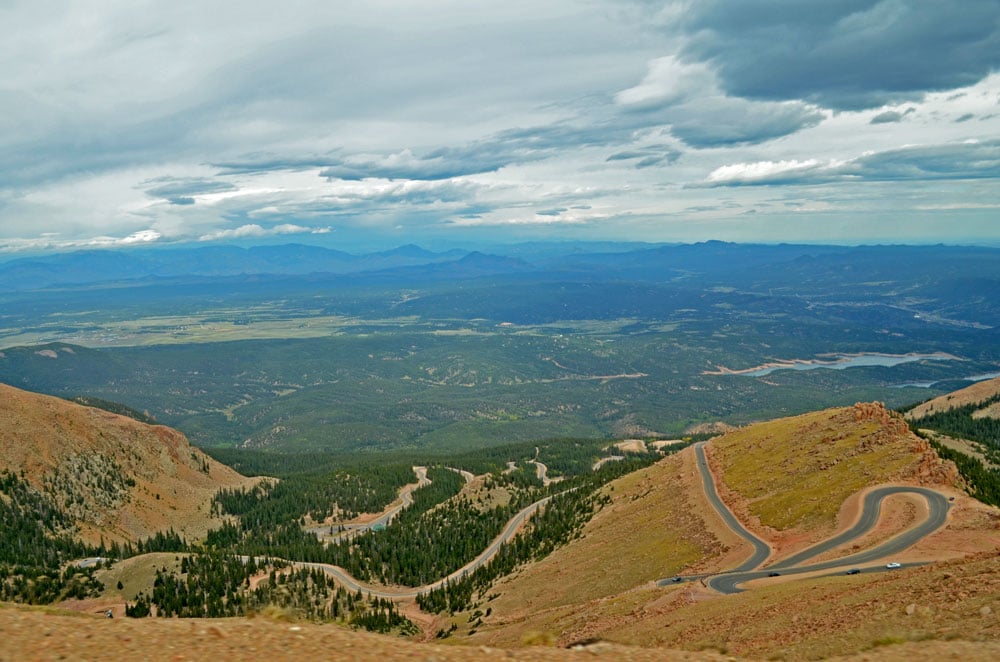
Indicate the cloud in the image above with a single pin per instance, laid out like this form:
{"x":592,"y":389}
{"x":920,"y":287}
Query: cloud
{"x":646,"y":157}
{"x":231,"y":120}
{"x":764,"y":172}
{"x":141,"y":237}
{"x":687,"y":97}
{"x":514,"y":146}
{"x":668,"y":81}
{"x":182,"y":190}
{"x":953,"y":161}
{"x":727,"y":121}
{"x":254,"y":230}
{"x":891,"y":116}
{"x":841,"y":54}
{"x":52,"y":241}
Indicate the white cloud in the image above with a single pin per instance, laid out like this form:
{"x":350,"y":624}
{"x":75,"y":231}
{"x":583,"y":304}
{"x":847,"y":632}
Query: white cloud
{"x":52,"y":241}
{"x":141,"y":237}
{"x":761,"y":171}
{"x":667,"y":82}
{"x":254,"y":230}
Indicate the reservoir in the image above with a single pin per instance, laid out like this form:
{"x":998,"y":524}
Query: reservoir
{"x":844,"y":361}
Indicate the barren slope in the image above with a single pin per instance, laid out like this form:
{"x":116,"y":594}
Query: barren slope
{"x":118,"y":478}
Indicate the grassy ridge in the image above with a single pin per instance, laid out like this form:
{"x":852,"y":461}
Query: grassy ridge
{"x":796,"y":472}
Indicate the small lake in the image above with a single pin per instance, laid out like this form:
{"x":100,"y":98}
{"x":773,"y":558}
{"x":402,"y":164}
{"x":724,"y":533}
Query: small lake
{"x":970,"y":378}
{"x":845,"y":361}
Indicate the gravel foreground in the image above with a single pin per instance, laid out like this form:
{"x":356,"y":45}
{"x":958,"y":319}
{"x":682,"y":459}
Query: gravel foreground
{"x":33,"y":634}
{"x":39,"y":634}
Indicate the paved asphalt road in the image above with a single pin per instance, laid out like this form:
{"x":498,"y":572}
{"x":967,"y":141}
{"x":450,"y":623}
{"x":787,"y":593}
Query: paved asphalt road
{"x":871,"y":507}
{"x":938,"y":513}
{"x":937,"y":503}
{"x":761,"y":550}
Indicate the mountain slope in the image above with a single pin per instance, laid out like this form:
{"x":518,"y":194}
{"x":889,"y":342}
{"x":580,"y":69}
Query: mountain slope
{"x":789,"y":478}
{"x":969,"y":395}
{"x":793,"y":482}
{"x":116,"y":477}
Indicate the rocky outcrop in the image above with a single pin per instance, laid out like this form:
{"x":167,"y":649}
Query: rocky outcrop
{"x":929,"y":469}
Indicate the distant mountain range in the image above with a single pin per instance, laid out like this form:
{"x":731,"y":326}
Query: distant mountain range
{"x":105,"y":266}
{"x":766,"y":265}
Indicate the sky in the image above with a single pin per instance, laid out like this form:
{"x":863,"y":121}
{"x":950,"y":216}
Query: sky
{"x":376,"y":123}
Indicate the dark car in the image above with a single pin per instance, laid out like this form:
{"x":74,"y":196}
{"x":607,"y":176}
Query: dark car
{"x":774,"y":574}
{"x":854,"y":571}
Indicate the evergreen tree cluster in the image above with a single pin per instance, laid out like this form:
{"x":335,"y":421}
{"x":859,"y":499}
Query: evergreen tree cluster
{"x":341,"y":493}
{"x":35,"y":545}
{"x":554,"y":525}
{"x":419,"y":548}
{"x":215,"y":585}
{"x":983,"y":481}
{"x":959,"y":422}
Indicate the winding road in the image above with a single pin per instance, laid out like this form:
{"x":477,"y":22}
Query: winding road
{"x":761,"y":550}
{"x":405,"y":499}
{"x":402,"y":593}
{"x":871,"y":508}
{"x":727,"y":582}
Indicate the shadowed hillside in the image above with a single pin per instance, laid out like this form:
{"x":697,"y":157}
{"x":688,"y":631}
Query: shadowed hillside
{"x":116,"y":477}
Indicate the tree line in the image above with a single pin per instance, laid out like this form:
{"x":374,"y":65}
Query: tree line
{"x":216,"y":585}
{"x":554,"y":525}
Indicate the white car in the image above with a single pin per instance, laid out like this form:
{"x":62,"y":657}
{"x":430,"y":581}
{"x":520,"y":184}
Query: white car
{"x":893,"y":565}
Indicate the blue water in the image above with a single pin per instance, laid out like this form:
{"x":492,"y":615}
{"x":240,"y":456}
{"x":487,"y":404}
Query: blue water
{"x":845,"y":362}
{"x":970,"y":378}
{"x":985,"y":375}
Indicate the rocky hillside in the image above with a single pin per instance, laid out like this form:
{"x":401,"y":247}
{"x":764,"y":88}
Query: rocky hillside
{"x":116,"y":477}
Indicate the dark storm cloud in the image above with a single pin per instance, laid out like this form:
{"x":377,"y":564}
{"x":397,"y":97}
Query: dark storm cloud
{"x":687,"y":98}
{"x":843,"y":54}
{"x":973,"y":160}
